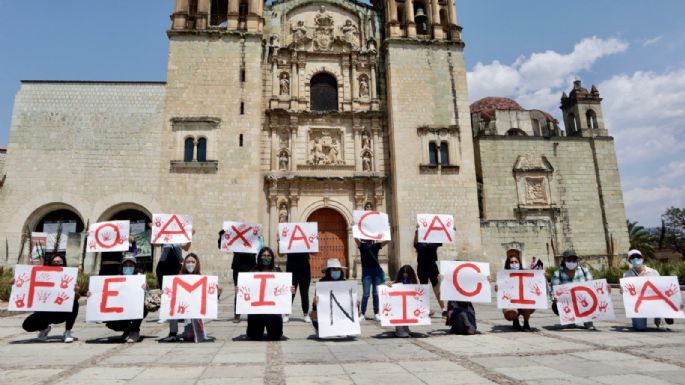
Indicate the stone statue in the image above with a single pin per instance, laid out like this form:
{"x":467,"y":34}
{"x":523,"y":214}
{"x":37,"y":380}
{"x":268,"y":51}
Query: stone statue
{"x":371,"y":46}
{"x":363,"y":87}
{"x":333,"y":153}
{"x":366,"y":141}
{"x":275,"y":41}
{"x":283,"y":161}
{"x":285,"y":84}
{"x":350,"y":33}
{"x":317,"y":152}
{"x":283,"y":213}
{"x":366,"y":161}
{"x":299,"y":32}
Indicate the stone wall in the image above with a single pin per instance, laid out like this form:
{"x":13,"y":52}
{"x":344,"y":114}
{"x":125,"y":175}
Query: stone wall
{"x":3,"y":155}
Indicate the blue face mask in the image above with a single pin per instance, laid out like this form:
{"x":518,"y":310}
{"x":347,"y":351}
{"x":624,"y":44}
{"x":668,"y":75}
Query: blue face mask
{"x":636,"y":262}
{"x":405,"y":280}
{"x":515,"y":266}
{"x":128,"y":270}
{"x":336,"y":275}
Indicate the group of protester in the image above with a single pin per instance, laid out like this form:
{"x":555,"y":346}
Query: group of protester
{"x":460,"y":316}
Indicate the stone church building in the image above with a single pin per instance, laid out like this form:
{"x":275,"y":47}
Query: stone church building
{"x":306,"y":110}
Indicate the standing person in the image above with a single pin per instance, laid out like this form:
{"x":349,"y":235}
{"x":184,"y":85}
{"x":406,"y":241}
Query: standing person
{"x":273,"y":323}
{"x":170,"y":262}
{"x":241,"y":263}
{"x":514,"y":263}
{"x":298,"y":265}
{"x":533,"y":263}
{"x":427,"y":266}
{"x":130,"y":328}
{"x":569,"y":272}
{"x":372,"y":273}
{"x":40,"y":321}
{"x":333,"y":272}
{"x":406,"y":276}
{"x":194,"y":328}
{"x":638,"y":269}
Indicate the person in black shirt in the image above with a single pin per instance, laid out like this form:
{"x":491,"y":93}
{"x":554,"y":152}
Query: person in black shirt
{"x":372,"y":273}
{"x":242,"y":263}
{"x":427,"y":266}
{"x":298,"y":265}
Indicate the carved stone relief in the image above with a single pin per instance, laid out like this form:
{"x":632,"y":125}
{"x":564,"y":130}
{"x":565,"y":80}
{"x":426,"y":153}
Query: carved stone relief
{"x":366,"y":161}
{"x":283,"y":160}
{"x":283,"y":213}
{"x":325,"y":148}
{"x":366,"y":140}
{"x":350,"y":33}
{"x":299,"y":32}
{"x":535,"y":191}
{"x":324,"y":30}
{"x":363,"y":86}
{"x":323,"y":35}
{"x":284,"y":84}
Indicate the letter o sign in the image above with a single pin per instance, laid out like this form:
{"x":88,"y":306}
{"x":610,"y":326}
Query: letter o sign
{"x":102,"y":242}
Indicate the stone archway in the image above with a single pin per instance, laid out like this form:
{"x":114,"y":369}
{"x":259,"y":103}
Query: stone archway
{"x":138,"y":217}
{"x":332,"y":239}
{"x":51,"y":219}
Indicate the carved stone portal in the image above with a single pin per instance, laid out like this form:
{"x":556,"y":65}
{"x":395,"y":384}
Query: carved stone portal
{"x":325,"y":148}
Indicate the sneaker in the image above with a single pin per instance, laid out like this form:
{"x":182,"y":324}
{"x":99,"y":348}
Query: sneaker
{"x":402,"y":332}
{"x":43,"y":334}
{"x":67,"y":337}
{"x":133,"y":337}
{"x":377,"y":317}
{"x":307,"y":319}
{"x":286,"y":318}
{"x":669,"y":321}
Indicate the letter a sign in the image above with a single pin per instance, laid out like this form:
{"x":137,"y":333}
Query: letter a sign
{"x":171,"y":229}
{"x":435,"y":228}
{"x":298,"y":238}
{"x":652,"y":297}
{"x":108,"y":236}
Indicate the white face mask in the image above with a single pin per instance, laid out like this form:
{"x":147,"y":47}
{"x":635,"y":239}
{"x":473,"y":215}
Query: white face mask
{"x":571,"y":265}
{"x":190,"y":267}
{"x":515,"y":266}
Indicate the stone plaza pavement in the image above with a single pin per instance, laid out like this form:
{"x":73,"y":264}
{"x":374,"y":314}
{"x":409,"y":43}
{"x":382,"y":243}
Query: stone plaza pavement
{"x":497,"y":354}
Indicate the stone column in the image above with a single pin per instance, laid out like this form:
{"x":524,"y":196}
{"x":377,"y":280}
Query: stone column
{"x":276,"y":79}
{"x":294,"y":85}
{"x":233,"y":11}
{"x":275,"y":145}
{"x":409,"y":12}
{"x":373,"y":81}
{"x":374,"y":147}
{"x":180,"y":15}
{"x":293,"y":137}
{"x":202,"y":18}
{"x":437,"y":26}
{"x":353,"y":83}
{"x":272,"y":227}
{"x":392,"y":8}
{"x":452,"y":14}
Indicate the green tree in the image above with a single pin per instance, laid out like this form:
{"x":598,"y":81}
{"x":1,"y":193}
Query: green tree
{"x":673,"y":221}
{"x":640,"y":239}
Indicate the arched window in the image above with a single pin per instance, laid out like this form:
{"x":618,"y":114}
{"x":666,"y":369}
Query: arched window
{"x":219,"y":13}
{"x":536,"y":127}
{"x":400,"y":14}
{"x":572,"y":127}
{"x":189,"y":150}
{"x":433,"y":153}
{"x":323,"y":92}
{"x":444,"y":20}
{"x":242,"y":15}
{"x":420,"y":18}
{"x":202,"y":150}
{"x":591,"y":119}
{"x":444,"y":153}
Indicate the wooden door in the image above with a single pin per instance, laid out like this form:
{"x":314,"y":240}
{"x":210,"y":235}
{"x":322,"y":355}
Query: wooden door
{"x":332,"y":239}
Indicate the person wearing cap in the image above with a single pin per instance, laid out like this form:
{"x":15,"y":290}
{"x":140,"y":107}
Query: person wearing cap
{"x":129,"y":328}
{"x":638,"y":269}
{"x":333,"y":272}
{"x":571,"y":272}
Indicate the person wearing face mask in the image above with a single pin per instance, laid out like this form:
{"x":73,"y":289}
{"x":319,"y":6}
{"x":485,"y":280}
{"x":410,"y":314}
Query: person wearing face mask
{"x":638,"y":269}
{"x":514,"y":263}
{"x":194,"y":330}
{"x":40,"y":321}
{"x":333,"y":272}
{"x":273,"y":323}
{"x":570,"y":272}
{"x":406,"y":276}
{"x":129,"y":328}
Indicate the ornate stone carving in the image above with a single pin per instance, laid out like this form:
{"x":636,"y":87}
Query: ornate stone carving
{"x":283,"y":160}
{"x":284,"y":84}
{"x":325,"y":148}
{"x":366,"y":161}
{"x":366,"y":140}
{"x":363,"y":86}
{"x":284,"y":137}
{"x":283,"y":213}
{"x":299,"y":32}
{"x":535,"y":191}
{"x":350,"y":33}
{"x":532,"y":162}
{"x":323,"y":34}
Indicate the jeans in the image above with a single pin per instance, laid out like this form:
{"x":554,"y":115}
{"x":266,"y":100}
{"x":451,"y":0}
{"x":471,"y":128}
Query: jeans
{"x":640,"y":324}
{"x":371,"y":276}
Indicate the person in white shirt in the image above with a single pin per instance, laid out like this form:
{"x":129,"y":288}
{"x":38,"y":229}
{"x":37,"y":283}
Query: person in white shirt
{"x":638,"y":269}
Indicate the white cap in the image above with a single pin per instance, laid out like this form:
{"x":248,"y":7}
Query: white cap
{"x":634,"y":252}
{"x":332,"y":263}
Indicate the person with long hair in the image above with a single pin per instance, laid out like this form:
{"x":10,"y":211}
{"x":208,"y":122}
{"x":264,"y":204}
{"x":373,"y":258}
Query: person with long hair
{"x":513,"y":262}
{"x":194,"y":329}
{"x":41,"y":321}
{"x":406,"y":276}
{"x":372,"y":273}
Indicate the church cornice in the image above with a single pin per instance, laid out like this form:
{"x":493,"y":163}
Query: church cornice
{"x":422,"y":41}
{"x":329,"y":114}
{"x":213,"y":32}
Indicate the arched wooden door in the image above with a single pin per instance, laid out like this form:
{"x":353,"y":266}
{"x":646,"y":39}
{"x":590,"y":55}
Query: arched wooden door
{"x":332,"y":239}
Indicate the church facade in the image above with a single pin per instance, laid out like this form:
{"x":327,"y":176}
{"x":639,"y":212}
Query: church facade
{"x":304,"y":111}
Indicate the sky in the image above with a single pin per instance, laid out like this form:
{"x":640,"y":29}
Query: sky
{"x":528,"y":50}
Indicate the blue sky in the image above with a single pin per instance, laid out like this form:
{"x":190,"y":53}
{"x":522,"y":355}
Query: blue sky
{"x":530,"y":50}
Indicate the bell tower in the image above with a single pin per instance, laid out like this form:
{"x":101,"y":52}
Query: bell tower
{"x":583,"y":112}
{"x":430,"y":141}
{"x":232,"y":15}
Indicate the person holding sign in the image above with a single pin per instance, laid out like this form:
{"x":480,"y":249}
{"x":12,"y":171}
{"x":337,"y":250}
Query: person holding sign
{"x":40,"y":321}
{"x":298,"y":265}
{"x":571,"y":271}
{"x":513,"y":315}
{"x":406,"y":276}
{"x":638,"y":269}
{"x":427,"y":266}
{"x":194,"y":330}
{"x":241,"y":263}
{"x":333,"y":272}
{"x":372,"y":273}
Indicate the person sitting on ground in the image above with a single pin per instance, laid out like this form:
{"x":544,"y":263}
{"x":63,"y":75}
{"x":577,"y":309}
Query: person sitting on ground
{"x":405,"y":276}
{"x":194,"y":330}
{"x":333,"y":272}
{"x":514,"y":263}
{"x":638,"y":269}
{"x":569,"y":272}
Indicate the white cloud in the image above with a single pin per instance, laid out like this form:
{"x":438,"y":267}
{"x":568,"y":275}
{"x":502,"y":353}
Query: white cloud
{"x":652,"y":41}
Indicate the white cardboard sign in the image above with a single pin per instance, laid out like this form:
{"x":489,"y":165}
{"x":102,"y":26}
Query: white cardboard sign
{"x":298,"y":238}
{"x":337,"y":309}
{"x":584,"y":302}
{"x":521,"y":289}
{"x":189,"y":296}
{"x":436,"y":228}
{"x":371,"y":225}
{"x":264,"y":293}
{"x":241,"y":237}
{"x":43,"y":288}
{"x":108,"y":236}
{"x":465,"y":281}
{"x":171,"y":229}
{"x":115,"y":297}
{"x":652,"y":297}
{"x":404,"y":305}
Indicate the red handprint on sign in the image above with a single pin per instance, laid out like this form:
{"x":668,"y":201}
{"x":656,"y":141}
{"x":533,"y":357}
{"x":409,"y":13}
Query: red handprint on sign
{"x":559,"y":292}
{"x":312,"y":238}
{"x":583,"y":301}
{"x":424,"y":223}
{"x":599,"y":286}
{"x":280,"y":290}
{"x":448,"y":223}
{"x":535,"y":289}
{"x":603,"y":306}
{"x":420,"y":312}
{"x":672,"y":289}
{"x":167,"y":291}
{"x":21,"y":280}
{"x":387,"y":309}
{"x":61,"y":298}
{"x":568,"y":319}
{"x":65,"y":281}
{"x":19,"y":300}
{"x":212,"y":289}
{"x":245,"y":293}
{"x":630,"y":288}
{"x":106,"y":236}
{"x":121,"y":240}
{"x":158,"y":222}
{"x":255,"y":231}
{"x":567,"y":309}
{"x":506,"y":296}
{"x":182,"y":308}
{"x":91,"y":245}
{"x":43,"y":296}
{"x":419,"y":294}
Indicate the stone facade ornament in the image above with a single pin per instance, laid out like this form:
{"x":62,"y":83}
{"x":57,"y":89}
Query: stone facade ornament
{"x":283,"y":160}
{"x":284,"y":84}
{"x":363,"y":87}
{"x":283,"y":213}
{"x":350,"y":33}
{"x":325,"y":148}
{"x":366,"y":140}
{"x":323,"y":35}
{"x":299,"y":32}
{"x":366,"y":161}
{"x":535,"y":191}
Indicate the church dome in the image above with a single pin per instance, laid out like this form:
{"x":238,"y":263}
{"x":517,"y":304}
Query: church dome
{"x":486,"y":107}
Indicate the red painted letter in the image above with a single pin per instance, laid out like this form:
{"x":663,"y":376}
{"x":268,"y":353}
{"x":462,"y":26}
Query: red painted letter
{"x":106,"y":293}
{"x":114,"y":240}
{"x":262,"y":290}
{"x":299,"y":238}
{"x":404,"y":295}
{"x":521,"y":298}
{"x":178,"y":281}
{"x":574,"y":299}
{"x":239,"y":235}
{"x":164,"y":231}
{"x":34,"y":283}
{"x":455,"y":281}
{"x":361,"y":230}
{"x":658,"y":295}
{"x":434,"y":227}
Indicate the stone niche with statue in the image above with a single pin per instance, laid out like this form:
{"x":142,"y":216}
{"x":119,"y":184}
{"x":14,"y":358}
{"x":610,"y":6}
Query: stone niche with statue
{"x":325,"y":147}
{"x":323,"y":28}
